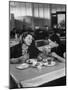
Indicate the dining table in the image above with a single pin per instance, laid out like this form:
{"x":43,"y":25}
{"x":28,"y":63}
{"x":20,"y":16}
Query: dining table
{"x":33,"y":77}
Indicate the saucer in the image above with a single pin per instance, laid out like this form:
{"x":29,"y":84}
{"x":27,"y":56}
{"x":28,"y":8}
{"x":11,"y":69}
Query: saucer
{"x":51,"y":64}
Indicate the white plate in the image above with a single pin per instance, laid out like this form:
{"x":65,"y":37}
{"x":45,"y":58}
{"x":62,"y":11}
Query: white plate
{"x":52,"y":63}
{"x":23,"y":66}
{"x":33,"y":62}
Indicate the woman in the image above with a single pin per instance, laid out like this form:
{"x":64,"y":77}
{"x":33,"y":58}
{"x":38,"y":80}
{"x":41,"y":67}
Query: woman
{"x":24,"y":50}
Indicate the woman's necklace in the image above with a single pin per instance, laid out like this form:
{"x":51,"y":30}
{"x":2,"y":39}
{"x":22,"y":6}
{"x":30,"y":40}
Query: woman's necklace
{"x":24,"y":49}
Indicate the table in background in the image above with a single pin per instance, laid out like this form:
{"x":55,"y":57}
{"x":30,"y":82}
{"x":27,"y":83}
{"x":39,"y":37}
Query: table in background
{"x":13,"y":42}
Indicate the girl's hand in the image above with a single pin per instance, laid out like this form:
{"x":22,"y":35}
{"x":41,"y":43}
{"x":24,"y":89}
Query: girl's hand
{"x":53,"y":44}
{"x":40,"y":57}
{"x":58,"y":57}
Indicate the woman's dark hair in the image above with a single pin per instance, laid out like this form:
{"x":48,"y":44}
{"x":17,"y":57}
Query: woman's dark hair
{"x":25,"y":35}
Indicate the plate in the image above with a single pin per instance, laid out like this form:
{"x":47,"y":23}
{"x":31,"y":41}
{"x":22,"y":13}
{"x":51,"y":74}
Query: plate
{"x":23,"y":66}
{"x":33,"y":62}
{"x":52,"y":63}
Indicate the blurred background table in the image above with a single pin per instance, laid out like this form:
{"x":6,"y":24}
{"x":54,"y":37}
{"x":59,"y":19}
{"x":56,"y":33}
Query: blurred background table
{"x":13,"y":42}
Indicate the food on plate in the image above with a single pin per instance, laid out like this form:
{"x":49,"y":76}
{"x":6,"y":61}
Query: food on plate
{"x":32,"y":62}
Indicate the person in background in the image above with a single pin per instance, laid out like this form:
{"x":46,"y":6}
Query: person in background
{"x":57,"y":50}
{"x":24,"y":50}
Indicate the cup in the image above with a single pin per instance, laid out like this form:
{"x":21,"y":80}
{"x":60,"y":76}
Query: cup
{"x":49,"y":60}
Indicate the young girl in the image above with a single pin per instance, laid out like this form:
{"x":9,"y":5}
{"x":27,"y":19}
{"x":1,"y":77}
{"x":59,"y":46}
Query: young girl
{"x":57,"y":48}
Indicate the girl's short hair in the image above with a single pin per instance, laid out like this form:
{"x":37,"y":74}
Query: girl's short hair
{"x":55,"y":38}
